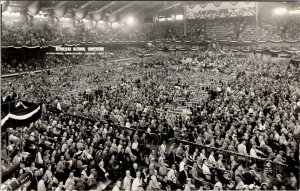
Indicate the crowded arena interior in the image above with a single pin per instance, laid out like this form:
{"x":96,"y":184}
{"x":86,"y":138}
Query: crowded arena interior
{"x":150,"y":95}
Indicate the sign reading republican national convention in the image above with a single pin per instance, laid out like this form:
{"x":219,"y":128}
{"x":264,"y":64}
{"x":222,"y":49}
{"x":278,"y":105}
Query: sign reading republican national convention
{"x":78,"y":49}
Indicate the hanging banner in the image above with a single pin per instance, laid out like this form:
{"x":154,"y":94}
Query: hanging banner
{"x":220,"y":10}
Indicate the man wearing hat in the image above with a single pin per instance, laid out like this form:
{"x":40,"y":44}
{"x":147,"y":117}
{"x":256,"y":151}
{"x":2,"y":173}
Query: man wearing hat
{"x":84,"y":171}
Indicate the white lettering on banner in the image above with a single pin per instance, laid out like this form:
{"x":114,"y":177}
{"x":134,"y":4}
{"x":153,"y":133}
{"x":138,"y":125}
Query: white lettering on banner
{"x":74,"y":53}
{"x":95,"y":48}
{"x":78,"y":48}
{"x":24,"y":179}
{"x":64,"y":49}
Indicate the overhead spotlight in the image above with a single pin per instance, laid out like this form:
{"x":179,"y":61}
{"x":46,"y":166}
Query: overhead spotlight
{"x":130,"y":21}
{"x":294,"y":12}
{"x":179,"y":17}
{"x":280,"y":11}
{"x":9,"y":13}
{"x":112,"y":18}
{"x":115,"y":25}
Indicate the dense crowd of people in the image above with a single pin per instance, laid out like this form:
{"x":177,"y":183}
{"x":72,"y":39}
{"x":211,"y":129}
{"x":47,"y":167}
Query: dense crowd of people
{"x":12,"y":64}
{"x":162,"y":123}
{"x":43,"y":33}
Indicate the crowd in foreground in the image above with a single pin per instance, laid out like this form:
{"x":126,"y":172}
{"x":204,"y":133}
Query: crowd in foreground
{"x":128,"y":123}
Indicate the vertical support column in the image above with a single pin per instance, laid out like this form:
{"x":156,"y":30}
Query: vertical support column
{"x":22,"y":138}
{"x":184,"y":21}
{"x":184,"y":27}
{"x":256,"y":15}
{"x":9,"y":107}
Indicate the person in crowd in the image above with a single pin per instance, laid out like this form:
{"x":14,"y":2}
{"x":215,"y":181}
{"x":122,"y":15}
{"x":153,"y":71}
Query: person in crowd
{"x":189,"y":186}
{"x":219,"y":163}
{"x":182,"y":164}
{"x":254,"y":151}
{"x":127,"y":181}
{"x":195,"y":175}
{"x":206,"y":171}
{"x":154,"y":184}
{"x":136,"y":182}
{"x":41,"y":185}
{"x":218,"y":185}
{"x":59,"y":187}
{"x":240,"y":184}
{"x":183,"y":175}
{"x":70,"y":182}
{"x":172,"y":174}
{"x":211,"y":159}
{"x":242,"y":148}
{"x":117,"y":186}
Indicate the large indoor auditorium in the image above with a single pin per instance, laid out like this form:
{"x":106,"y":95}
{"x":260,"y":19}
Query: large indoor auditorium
{"x":150,"y":95}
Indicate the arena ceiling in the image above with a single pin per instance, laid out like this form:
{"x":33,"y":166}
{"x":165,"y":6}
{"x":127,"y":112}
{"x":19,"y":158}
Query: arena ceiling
{"x":110,"y":11}
{"x":90,"y":9}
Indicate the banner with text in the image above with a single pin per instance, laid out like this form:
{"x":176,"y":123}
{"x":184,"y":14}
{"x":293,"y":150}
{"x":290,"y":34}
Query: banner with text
{"x":220,"y":10}
{"x":78,"y":49}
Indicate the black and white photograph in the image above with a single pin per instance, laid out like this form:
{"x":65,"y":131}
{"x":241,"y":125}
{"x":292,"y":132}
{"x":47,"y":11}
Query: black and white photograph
{"x":150,"y":95}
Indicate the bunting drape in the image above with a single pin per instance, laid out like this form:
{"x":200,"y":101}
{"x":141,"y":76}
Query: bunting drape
{"x":220,"y":10}
{"x":21,"y":117}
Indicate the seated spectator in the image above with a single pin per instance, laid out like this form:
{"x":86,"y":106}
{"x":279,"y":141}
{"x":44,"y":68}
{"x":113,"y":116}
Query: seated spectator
{"x":206,"y":171}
